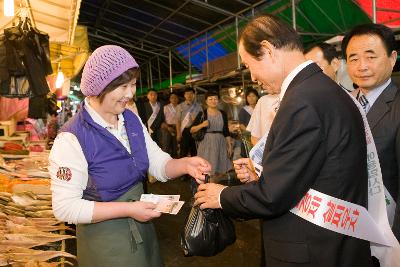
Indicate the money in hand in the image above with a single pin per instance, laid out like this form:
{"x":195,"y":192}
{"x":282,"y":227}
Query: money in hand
{"x":168,"y":206}
{"x":156,"y":198}
{"x":165,"y":203}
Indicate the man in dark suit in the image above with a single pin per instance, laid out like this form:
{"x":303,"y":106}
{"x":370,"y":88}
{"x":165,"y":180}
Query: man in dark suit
{"x":153,"y":116}
{"x":325,"y":56}
{"x":316,"y":141}
{"x":371,"y":54}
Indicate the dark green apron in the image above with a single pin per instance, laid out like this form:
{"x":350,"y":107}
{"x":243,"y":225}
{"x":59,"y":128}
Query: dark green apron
{"x":119,"y":242}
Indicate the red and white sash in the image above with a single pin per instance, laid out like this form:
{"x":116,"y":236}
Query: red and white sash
{"x":348,"y":218}
{"x":153,"y":116}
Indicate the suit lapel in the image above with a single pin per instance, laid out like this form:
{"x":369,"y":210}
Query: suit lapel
{"x":381,"y":105}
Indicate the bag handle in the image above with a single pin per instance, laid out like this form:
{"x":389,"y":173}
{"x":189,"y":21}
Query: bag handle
{"x":207,"y":178}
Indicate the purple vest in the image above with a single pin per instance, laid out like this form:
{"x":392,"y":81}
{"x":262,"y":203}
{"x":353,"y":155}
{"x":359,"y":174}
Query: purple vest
{"x":112,"y":169}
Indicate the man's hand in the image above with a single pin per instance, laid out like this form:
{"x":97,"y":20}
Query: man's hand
{"x":245,"y":171}
{"x":207,"y":195}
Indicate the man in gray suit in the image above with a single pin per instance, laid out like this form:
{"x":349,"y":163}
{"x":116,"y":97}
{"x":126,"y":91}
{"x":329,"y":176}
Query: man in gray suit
{"x":370,"y":53}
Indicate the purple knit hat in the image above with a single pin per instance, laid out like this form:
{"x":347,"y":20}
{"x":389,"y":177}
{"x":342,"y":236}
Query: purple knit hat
{"x":104,"y":65}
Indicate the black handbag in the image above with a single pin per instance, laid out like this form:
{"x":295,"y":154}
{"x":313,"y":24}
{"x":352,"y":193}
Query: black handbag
{"x":207,"y":232}
{"x":199,"y":135}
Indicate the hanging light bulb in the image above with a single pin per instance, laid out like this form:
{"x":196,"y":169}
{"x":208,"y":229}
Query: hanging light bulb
{"x":60,"y":77}
{"x":9,"y":8}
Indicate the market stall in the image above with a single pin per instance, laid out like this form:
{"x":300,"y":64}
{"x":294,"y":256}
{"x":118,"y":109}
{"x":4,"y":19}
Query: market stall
{"x":39,"y":41}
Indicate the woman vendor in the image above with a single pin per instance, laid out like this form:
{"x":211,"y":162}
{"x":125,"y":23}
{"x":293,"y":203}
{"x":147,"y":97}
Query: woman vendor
{"x":99,"y":162}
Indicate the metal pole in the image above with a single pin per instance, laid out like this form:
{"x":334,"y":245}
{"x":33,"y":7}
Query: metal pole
{"x":237,"y":42}
{"x":190,"y":60}
{"x":170,"y":69}
{"x":141,"y":82}
{"x":294,"y":14}
{"x":207,"y":71}
{"x":374,"y":11}
{"x":159,"y":73}
{"x":28,"y":5}
{"x":148,"y":79}
{"x":151,"y":74}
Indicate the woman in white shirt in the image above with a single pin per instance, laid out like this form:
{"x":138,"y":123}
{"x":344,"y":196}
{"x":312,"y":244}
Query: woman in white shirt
{"x":98,"y":164}
{"x":244,"y":118}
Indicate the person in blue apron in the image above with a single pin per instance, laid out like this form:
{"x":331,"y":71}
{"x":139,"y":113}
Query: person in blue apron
{"x":98,"y":164}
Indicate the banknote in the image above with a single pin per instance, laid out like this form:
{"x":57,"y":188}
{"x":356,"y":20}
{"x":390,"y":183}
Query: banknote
{"x":154,"y":198}
{"x":168,"y":206}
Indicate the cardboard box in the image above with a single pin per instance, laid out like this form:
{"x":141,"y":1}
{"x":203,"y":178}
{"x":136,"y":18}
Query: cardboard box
{"x":7,"y":128}
{"x":4,"y":131}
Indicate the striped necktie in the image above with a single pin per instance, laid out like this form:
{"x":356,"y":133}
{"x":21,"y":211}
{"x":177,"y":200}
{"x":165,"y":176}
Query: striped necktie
{"x":363,"y":101}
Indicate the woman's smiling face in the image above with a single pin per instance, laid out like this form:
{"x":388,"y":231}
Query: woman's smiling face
{"x":116,"y":100}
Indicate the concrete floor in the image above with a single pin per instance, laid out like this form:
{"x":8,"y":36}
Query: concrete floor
{"x":244,"y":252}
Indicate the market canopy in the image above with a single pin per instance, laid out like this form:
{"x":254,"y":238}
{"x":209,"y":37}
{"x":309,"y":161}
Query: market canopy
{"x":150,"y":29}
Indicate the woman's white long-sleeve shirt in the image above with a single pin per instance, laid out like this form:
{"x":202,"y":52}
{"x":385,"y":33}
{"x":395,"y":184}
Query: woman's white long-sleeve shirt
{"x":66,"y":152}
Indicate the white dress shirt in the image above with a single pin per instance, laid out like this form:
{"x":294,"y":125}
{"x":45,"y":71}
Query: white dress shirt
{"x":68,"y":204}
{"x":170,"y":114}
{"x":286,"y":82}
{"x":263,"y":115}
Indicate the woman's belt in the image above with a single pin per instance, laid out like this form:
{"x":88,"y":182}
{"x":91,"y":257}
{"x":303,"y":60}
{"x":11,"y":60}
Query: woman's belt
{"x":215,"y":132}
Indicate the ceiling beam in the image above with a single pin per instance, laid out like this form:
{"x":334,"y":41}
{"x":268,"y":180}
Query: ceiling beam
{"x":124,"y":44}
{"x":225,"y":20}
{"x":134,"y":38}
{"x":52,"y":3}
{"x":137,"y":21}
{"x":390,"y":21}
{"x":100,"y":14}
{"x":272,"y":2}
{"x":100,"y":42}
{"x":180,"y":13}
{"x":164,"y":20}
{"x":387,"y":9}
{"x":49,"y":25}
{"x":131,"y":37}
{"x":133,"y":29}
{"x":329,"y":18}
{"x":48,"y":15}
{"x":157,"y":17}
{"x":306,"y":19}
{"x":215,"y":9}
{"x":243,"y":2}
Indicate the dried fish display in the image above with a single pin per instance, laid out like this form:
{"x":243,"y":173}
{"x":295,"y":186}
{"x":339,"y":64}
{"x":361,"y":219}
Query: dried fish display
{"x":40,"y":264}
{"x":27,"y":225}
{"x":25,"y":204}
{"x":17,"y":256}
{"x":33,"y":166}
{"x":30,"y":235}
